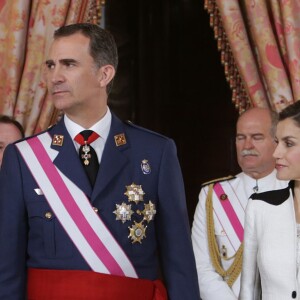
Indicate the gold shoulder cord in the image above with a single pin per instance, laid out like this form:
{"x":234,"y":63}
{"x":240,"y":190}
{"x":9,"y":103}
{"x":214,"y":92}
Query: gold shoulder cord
{"x":235,"y":269}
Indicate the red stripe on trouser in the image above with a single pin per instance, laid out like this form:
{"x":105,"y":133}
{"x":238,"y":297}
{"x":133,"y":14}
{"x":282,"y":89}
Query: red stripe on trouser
{"x":44,"y":284}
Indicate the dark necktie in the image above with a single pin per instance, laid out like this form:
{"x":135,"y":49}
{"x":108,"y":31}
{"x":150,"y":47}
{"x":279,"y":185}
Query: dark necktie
{"x":87,"y":153}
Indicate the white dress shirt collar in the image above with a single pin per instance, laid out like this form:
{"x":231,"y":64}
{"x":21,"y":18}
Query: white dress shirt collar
{"x":102,"y":127}
{"x":258,"y":185}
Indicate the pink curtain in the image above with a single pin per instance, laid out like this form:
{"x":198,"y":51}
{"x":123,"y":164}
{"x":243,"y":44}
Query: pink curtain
{"x":259,"y":43}
{"x":26,"y":29}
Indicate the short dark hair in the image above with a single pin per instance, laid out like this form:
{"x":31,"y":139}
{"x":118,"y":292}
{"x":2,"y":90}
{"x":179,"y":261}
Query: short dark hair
{"x":103,"y":48}
{"x":10,"y":120}
{"x":292,"y":111}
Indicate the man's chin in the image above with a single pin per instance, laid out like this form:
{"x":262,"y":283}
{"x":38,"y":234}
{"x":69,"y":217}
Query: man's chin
{"x":61,"y":104}
{"x":249,"y":159}
{"x":250,"y":164}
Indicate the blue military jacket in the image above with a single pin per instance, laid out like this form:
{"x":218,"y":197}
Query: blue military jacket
{"x":31,"y":237}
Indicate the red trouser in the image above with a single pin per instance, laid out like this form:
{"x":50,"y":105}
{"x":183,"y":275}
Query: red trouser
{"x":44,"y":284}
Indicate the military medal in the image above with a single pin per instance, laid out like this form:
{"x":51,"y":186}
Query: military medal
{"x":134,"y":193}
{"x":86,"y":155}
{"x":149,"y":212}
{"x":123,"y":212}
{"x":137,"y":232}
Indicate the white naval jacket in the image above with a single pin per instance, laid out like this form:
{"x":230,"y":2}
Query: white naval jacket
{"x":238,"y":190}
{"x":270,"y":245}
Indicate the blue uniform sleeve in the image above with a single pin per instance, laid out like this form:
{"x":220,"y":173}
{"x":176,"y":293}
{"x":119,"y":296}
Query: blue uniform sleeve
{"x":13,"y":229}
{"x":174,"y":230}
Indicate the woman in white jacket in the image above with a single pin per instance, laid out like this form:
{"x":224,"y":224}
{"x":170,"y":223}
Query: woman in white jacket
{"x":272,"y":225}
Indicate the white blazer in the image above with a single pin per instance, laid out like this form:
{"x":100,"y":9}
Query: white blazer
{"x":270,"y":245}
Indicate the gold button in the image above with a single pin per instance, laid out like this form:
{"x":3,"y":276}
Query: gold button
{"x":95,"y":209}
{"x":48,"y":215}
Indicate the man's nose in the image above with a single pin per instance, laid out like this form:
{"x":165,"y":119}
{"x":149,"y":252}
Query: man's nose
{"x":57,"y":75}
{"x":248,"y":144}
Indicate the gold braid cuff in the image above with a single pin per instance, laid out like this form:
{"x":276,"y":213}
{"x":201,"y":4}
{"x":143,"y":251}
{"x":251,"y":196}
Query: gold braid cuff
{"x":235,"y":269}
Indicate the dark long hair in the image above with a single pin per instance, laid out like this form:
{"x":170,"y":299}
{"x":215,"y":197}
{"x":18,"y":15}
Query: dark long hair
{"x":292,"y":111}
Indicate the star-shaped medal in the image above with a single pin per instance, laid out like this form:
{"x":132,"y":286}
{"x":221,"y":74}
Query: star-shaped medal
{"x":134,"y":193}
{"x":149,"y":211}
{"x":123,"y":212}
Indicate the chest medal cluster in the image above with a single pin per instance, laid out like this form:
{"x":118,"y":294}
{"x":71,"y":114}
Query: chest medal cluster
{"x":125,"y":211}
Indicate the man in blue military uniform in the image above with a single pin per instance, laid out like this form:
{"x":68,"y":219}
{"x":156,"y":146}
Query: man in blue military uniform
{"x":92,"y":208}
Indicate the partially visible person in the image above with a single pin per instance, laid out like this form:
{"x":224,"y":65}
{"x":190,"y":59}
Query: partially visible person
{"x":10,"y":131}
{"x":217,"y":232}
{"x":92,"y":208}
{"x":272,"y":225}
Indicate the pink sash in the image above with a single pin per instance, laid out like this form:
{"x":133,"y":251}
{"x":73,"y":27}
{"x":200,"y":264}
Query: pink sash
{"x":229,"y":210}
{"x":74,"y":211}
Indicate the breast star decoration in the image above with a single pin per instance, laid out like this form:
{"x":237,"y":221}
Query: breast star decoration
{"x":140,"y":218}
{"x":134,"y":193}
{"x":123,"y":212}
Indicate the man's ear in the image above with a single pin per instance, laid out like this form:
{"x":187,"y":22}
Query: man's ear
{"x":106,"y":74}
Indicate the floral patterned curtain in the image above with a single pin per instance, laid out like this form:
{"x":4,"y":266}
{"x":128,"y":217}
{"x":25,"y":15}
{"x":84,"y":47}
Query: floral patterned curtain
{"x":259,"y":43}
{"x":26,"y":30}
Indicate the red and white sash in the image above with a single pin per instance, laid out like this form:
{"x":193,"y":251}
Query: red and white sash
{"x":74,"y":211}
{"x":229,"y":213}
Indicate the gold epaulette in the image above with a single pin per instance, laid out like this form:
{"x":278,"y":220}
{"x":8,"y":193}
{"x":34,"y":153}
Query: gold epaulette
{"x":218,"y":180}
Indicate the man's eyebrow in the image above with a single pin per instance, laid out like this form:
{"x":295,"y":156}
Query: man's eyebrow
{"x":49,"y":61}
{"x":67,"y":61}
{"x":251,"y":135}
{"x":257,"y":134}
{"x":62,"y":61}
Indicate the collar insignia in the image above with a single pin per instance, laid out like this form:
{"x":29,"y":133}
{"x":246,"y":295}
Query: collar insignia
{"x":57,"y":140}
{"x":120,"y":139}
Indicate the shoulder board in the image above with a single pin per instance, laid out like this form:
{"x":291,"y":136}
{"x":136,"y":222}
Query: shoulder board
{"x":218,"y":180}
{"x":36,"y":134}
{"x":50,"y":126}
{"x":143,"y":129}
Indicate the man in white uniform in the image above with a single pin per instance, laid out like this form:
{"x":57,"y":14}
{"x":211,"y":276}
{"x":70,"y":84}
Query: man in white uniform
{"x":218,"y":226}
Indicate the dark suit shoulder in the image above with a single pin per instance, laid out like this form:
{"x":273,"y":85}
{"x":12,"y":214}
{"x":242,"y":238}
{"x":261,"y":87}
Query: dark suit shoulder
{"x":144,"y":130}
{"x":34,"y":135}
{"x":230,"y":177}
{"x":37,"y":134}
